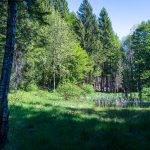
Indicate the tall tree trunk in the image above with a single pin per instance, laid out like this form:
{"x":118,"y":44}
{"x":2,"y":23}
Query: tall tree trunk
{"x":107,"y":83}
{"x":139,"y":83}
{"x":17,"y":67}
{"x":6,"y":70}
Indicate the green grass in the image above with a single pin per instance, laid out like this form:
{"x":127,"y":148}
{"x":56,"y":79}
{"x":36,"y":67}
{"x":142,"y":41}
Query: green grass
{"x":43,"y":121}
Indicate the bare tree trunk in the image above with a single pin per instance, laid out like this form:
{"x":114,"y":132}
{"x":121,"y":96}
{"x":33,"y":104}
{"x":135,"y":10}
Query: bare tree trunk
{"x":17,"y":66}
{"x":54,"y":75}
{"x":6,"y":70}
{"x":107,"y":83}
{"x":139,"y":83}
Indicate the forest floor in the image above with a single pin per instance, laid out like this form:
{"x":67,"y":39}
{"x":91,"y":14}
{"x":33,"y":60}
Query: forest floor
{"x":42,"y":121}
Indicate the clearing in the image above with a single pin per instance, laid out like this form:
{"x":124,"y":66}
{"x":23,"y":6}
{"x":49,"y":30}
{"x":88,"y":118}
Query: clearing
{"x":42,"y":121}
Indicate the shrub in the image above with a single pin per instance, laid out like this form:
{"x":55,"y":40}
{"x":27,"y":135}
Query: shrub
{"x":31,"y":87}
{"x":69,"y":91}
{"x":146,"y":92}
{"x":87,"y":88}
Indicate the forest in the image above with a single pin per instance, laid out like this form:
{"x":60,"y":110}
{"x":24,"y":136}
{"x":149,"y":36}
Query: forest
{"x":72,"y":83}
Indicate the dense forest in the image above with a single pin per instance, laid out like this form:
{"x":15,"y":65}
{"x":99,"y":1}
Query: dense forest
{"x":54,"y":45}
{"x":56,"y":48}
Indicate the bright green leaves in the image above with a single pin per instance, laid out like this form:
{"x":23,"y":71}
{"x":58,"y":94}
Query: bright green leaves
{"x":137,"y":51}
{"x":141,"y":48}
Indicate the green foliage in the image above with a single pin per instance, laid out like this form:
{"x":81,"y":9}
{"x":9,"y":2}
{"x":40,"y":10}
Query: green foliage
{"x":146,"y":92}
{"x":66,"y":60}
{"x":62,"y":7}
{"x":54,"y":46}
{"x":47,"y":53}
{"x":141,"y":48}
{"x":31,"y":87}
{"x":111,"y":49}
{"x":87,"y":88}
{"x":44,"y":55}
{"x":137,"y":52}
{"x":69,"y":91}
{"x":99,"y":40}
{"x":86,"y":28}
{"x":80,"y":65}
{"x":107,"y":36}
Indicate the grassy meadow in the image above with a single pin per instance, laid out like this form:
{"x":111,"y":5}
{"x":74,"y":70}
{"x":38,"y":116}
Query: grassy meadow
{"x":43,"y":121}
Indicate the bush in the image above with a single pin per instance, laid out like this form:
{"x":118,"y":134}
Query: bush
{"x":31,"y":87}
{"x":146,"y":92}
{"x":87,"y":88}
{"x":69,"y":91}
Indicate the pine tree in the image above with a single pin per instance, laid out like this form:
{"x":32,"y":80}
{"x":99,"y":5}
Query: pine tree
{"x":89,"y":22}
{"x":80,"y":31}
{"x":61,"y":6}
{"x":111,"y":51}
{"x":86,"y":27}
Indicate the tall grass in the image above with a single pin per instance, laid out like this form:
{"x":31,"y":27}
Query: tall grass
{"x":43,"y":121}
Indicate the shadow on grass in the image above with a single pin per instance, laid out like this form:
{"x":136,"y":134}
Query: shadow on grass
{"x":59,"y":128}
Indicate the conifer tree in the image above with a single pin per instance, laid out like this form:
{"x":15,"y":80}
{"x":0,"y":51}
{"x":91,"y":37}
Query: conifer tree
{"x":87,"y":30}
{"x":111,"y":51}
{"x":61,"y":6}
{"x":89,"y":22}
{"x":80,"y":31}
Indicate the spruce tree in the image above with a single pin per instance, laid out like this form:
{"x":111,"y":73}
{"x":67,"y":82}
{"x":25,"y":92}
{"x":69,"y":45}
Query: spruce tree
{"x":89,"y":22}
{"x":80,"y":31}
{"x":88,"y":32}
{"x":111,"y":51}
{"x":61,"y":6}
